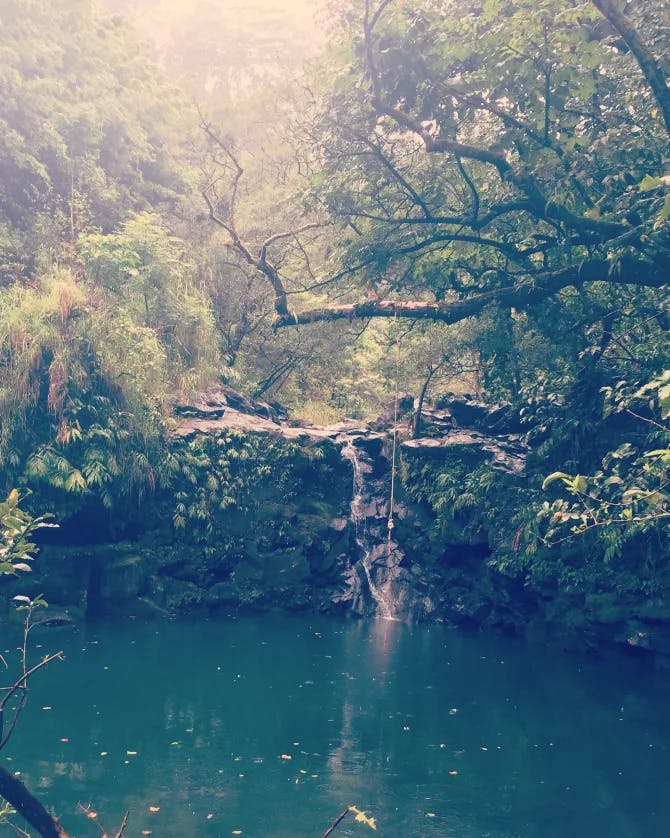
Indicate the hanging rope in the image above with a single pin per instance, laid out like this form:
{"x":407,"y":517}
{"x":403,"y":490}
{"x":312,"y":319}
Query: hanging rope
{"x":390,"y":523}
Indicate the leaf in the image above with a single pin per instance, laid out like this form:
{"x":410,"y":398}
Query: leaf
{"x":662,"y":453}
{"x":553,"y":477}
{"x":649,"y":182}
{"x":362,"y":817}
{"x":579,"y":484}
{"x":21,"y":598}
{"x":23,"y":566}
{"x":75,"y":482}
{"x":631,"y":495}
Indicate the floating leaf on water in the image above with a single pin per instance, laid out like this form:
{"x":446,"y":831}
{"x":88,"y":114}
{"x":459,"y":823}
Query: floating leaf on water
{"x":362,"y":817}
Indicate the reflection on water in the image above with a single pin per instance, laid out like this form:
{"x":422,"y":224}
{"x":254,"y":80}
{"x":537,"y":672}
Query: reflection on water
{"x":272,"y":725}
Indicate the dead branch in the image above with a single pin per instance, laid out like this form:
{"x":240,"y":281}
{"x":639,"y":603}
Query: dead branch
{"x":29,"y":807}
{"x":338,"y":820}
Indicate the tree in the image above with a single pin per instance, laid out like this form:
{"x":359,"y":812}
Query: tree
{"x":487,"y":155}
{"x":629,"y":494}
{"x":86,"y":130}
{"x":16,"y":528}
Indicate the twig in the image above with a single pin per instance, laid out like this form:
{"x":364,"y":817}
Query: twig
{"x":124,"y":823}
{"x":336,"y":823}
{"x":24,"y":677}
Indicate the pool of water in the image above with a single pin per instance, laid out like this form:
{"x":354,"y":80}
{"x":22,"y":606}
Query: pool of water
{"x":272,"y":725}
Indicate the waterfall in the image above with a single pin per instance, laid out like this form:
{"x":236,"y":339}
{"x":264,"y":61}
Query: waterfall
{"x":368,"y":532}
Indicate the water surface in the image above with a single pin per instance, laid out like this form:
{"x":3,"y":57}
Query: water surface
{"x":272,"y":725}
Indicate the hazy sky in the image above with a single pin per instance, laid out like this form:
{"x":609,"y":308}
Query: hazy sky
{"x":293,"y":25}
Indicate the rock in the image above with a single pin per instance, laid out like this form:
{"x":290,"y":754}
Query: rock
{"x":472,"y":447}
{"x":435,"y":422}
{"x":212,"y":404}
{"x":467,"y":412}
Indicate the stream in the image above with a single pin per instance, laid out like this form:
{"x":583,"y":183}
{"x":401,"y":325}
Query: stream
{"x":271,"y":725}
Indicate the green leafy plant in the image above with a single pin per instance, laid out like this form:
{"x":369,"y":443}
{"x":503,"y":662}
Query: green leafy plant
{"x":16,"y":529}
{"x":631,"y":491}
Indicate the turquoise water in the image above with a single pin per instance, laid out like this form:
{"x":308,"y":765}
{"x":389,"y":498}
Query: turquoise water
{"x":432,"y":731}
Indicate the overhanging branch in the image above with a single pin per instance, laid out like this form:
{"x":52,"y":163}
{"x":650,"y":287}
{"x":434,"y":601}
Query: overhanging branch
{"x":629,"y":272}
{"x":13,"y":790}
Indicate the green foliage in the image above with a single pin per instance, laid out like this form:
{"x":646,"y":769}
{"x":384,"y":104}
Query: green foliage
{"x":470,"y":501}
{"x":628,"y":495}
{"x":152,"y":283}
{"x":16,"y":529}
{"x":86,"y":382}
{"x":211,"y":475}
{"x":85,"y":128}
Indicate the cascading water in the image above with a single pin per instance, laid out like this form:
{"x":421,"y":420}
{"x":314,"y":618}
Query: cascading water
{"x":380,"y":594}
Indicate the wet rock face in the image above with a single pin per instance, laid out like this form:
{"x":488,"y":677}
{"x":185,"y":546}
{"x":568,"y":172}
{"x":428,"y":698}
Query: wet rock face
{"x":505,"y":454}
{"x":322,"y":542}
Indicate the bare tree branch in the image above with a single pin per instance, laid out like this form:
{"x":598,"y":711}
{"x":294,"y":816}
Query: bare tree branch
{"x":29,"y":807}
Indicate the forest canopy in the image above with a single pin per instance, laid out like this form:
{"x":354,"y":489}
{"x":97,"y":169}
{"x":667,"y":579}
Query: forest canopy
{"x":484,"y":185}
